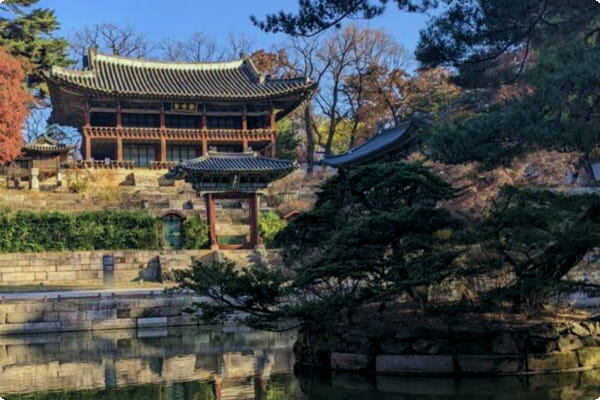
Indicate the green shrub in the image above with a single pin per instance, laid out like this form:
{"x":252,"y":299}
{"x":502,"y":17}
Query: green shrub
{"x":195,"y":233}
{"x":269,"y":225}
{"x":34,"y":231}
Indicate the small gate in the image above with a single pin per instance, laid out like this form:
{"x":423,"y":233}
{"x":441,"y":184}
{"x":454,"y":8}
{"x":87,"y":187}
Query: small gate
{"x":172,"y":231}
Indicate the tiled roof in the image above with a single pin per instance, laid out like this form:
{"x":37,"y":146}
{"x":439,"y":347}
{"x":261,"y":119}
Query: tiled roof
{"x":233,"y":163}
{"x":234,"y":80}
{"x":46,"y":145}
{"x":382,"y":143}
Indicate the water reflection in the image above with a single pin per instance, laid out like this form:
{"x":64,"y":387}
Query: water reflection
{"x":212,"y":364}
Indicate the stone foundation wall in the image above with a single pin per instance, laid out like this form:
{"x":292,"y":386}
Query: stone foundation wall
{"x":472,"y":346}
{"x":86,"y":267}
{"x":92,"y":314}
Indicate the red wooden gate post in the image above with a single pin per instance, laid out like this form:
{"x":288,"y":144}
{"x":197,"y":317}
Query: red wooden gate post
{"x":210,"y":208}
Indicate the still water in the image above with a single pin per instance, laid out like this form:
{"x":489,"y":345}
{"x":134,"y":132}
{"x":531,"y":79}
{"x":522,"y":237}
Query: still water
{"x":212,"y":364}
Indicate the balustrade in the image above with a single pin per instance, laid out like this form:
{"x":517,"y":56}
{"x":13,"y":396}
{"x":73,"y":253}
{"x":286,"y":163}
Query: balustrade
{"x":109,"y":132}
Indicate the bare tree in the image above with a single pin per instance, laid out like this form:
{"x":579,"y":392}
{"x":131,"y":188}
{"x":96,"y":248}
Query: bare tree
{"x":120,"y":40}
{"x":301,"y":60}
{"x":201,"y":47}
{"x":171,"y":50}
{"x":238,"y":45}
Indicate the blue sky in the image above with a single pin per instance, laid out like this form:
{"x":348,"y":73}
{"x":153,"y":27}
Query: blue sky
{"x":178,"y":19}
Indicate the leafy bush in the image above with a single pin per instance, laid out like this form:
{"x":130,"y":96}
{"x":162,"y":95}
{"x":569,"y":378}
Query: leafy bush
{"x":269,"y":226}
{"x":33,"y":231}
{"x":195,"y":233}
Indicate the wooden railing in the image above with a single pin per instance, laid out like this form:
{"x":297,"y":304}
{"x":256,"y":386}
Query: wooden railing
{"x":101,"y":164}
{"x":163,"y":164}
{"x":102,"y":132}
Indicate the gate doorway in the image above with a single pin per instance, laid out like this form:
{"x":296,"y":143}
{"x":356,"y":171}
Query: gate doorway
{"x":172,"y":230}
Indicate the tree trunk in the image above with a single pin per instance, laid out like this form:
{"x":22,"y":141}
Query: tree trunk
{"x":310,"y":143}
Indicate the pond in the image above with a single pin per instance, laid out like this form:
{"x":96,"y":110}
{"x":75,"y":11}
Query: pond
{"x":216,"y":363}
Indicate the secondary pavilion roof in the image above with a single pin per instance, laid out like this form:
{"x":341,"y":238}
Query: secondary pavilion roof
{"x":384,"y":142}
{"x":232,"y":171}
{"x":233,"y":80}
{"x":46,"y":145}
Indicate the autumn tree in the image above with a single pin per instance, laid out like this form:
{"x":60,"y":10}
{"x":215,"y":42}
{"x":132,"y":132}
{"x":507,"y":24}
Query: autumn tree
{"x":13,"y":105}
{"x":28,"y":33}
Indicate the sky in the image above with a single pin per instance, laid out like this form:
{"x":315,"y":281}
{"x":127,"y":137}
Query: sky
{"x":178,"y":19}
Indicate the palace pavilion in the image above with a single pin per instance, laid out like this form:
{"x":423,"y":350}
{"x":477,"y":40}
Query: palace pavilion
{"x":212,"y":124}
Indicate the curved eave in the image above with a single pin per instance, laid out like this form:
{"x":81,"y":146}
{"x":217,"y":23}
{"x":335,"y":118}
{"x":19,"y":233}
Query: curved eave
{"x":97,"y":92}
{"x":371,"y":149}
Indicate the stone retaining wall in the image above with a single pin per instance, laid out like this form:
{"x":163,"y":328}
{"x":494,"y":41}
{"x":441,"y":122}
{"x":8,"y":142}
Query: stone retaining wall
{"x":86,"y":267}
{"x":473,"y":345}
{"x":91,"y":314}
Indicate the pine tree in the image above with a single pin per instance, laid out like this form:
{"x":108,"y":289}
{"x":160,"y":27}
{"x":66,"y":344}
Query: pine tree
{"x":27,"y":32}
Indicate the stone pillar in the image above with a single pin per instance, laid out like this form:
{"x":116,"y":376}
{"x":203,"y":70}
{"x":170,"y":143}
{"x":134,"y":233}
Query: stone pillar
{"x":59,"y":178}
{"x":34,"y":182}
{"x":119,"y":152}
{"x":210,"y":209}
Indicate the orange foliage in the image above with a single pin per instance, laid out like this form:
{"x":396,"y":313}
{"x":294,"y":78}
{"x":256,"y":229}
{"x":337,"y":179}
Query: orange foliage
{"x":13,"y":106}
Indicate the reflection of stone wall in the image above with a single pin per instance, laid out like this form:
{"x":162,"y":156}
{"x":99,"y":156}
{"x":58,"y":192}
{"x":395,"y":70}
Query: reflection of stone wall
{"x":60,"y":315}
{"x":468,"y":345}
{"x":77,"y":361}
{"x":85,"y":267}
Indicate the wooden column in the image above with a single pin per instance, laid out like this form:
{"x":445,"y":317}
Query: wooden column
{"x":254,"y":216}
{"x":119,"y":116}
{"x":245,"y":119}
{"x":272,"y":121}
{"x":87,"y":142}
{"x":119,"y":152}
{"x":210,"y":210}
{"x":204,"y":118}
{"x":87,"y":148}
{"x":204,"y":146}
{"x":273,"y":145}
{"x":163,"y":149}
{"x":87,"y":117}
{"x":162,"y":117}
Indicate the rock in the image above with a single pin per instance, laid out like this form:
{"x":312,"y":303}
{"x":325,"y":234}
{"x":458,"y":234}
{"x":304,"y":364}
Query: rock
{"x":471,"y":348}
{"x":569,"y":343}
{"x":541,"y":345}
{"x":414,"y":364}
{"x":422,"y":345}
{"x":349,"y":361}
{"x":589,"y":357}
{"x":504,"y":344}
{"x":490,"y":365}
{"x":552,"y":362}
{"x":545,"y":332}
{"x":580,"y":330}
{"x":392,"y":347}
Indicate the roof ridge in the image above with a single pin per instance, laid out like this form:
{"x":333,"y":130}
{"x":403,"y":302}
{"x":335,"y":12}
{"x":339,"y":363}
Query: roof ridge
{"x":132,"y":61}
